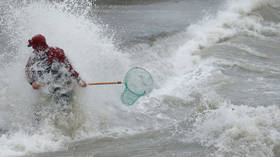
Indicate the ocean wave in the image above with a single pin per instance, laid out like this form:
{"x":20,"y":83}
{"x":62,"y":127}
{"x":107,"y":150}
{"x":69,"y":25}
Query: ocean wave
{"x":213,"y":80}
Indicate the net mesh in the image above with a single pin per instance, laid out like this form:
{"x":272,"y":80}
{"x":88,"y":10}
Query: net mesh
{"x":138,"y":82}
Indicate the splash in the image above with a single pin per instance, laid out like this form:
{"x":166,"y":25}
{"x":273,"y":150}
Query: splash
{"x":66,"y":25}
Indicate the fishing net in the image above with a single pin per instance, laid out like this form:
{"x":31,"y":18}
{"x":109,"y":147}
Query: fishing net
{"x":138,"y":82}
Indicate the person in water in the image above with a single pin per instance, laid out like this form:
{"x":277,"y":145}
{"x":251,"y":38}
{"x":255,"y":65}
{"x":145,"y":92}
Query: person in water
{"x":48,"y":66}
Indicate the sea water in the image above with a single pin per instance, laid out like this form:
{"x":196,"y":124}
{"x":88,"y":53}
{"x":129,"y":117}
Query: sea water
{"x":215,"y":66}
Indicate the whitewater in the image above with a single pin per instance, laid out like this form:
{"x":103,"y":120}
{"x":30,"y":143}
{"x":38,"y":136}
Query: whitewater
{"x":215,"y":65}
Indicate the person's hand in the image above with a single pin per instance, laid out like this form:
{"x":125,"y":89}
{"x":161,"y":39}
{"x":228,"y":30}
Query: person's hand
{"x":82,"y":83}
{"x":35,"y":86}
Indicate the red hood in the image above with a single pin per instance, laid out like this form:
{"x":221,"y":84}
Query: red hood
{"x":38,"y":43}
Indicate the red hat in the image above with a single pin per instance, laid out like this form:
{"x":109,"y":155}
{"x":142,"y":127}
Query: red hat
{"x":38,"y":42}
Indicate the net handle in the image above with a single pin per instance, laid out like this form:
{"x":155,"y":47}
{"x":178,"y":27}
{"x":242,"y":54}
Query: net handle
{"x":105,"y":83}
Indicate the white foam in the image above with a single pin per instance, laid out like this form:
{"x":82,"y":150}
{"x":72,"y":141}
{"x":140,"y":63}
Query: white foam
{"x":239,"y":130}
{"x":21,"y":143}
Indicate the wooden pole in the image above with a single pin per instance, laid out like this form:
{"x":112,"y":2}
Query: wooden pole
{"x":105,"y":83}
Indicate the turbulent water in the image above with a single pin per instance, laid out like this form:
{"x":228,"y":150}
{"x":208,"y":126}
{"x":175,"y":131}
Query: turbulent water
{"x":215,"y":66}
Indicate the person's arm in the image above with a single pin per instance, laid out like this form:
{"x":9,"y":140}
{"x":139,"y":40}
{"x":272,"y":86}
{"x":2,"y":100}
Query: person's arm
{"x":29,"y":74}
{"x":74,"y":73}
{"x":60,"y":56}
